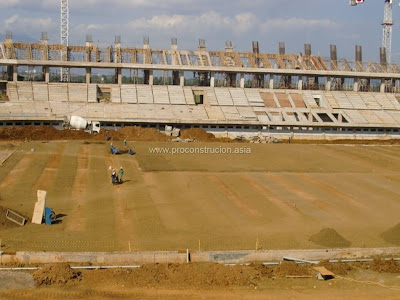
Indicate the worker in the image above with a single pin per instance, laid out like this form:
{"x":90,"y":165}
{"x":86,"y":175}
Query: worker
{"x":106,"y":136}
{"x":113,"y":177}
{"x":125,"y":144}
{"x":121,"y":174}
{"x":111,"y":148}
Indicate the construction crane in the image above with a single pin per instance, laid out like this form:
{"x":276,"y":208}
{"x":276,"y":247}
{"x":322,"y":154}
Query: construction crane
{"x":64,"y":38}
{"x":387,"y":26}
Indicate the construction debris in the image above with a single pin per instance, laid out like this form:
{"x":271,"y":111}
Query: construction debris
{"x":323,"y":273}
{"x":16,"y":218}
{"x":301,"y":260}
{"x":171,"y":131}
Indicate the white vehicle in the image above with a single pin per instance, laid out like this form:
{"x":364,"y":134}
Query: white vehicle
{"x":79,"y":123}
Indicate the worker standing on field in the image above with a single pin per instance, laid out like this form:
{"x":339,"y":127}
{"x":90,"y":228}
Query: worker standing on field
{"x":125,"y":144}
{"x":121,"y":174}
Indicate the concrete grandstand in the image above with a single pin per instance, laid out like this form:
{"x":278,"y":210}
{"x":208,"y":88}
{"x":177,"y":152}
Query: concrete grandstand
{"x":235,"y":94}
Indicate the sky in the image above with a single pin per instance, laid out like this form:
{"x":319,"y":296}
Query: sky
{"x":295,"y":22}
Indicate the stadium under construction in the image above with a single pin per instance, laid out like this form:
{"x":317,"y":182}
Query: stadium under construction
{"x":227,"y":93}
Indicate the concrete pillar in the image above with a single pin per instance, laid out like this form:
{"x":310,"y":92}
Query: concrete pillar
{"x":300,"y":84}
{"x":46,"y":71}
{"x":151,"y":77}
{"x":88,"y":75}
{"x":383,"y":86}
{"x":271,"y":83}
{"x":356,"y":86}
{"x":15,"y":73}
{"x":119,"y":76}
{"x":328,"y":84}
{"x":242,"y":80}
{"x":212,"y":79}
{"x":182,"y":79}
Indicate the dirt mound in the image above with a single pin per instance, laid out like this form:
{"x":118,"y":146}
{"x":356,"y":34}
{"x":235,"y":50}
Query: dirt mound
{"x":337,"y":268}
{"x":329,"y":237}
{"x":203,"y":275}
{"x":392,"y":236}
{"x":292,"y":269}
{"x":41,"y":133}
{"x":197,"y":134}
{"x":56,"y":274}
{"x":136,"y":133}
{"x":4,"y":222}
{"x":383,"y":266}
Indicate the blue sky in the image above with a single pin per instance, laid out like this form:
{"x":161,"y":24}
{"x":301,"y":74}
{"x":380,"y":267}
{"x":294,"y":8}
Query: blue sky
{"x":294,"y":22}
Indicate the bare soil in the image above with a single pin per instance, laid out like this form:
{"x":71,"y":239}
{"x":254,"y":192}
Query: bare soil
{"x":392,"y":235}
{"x":208,"y":281}
{"x":57,"y":274}
{"x":279,"y":195}
{"x":329,"y":237}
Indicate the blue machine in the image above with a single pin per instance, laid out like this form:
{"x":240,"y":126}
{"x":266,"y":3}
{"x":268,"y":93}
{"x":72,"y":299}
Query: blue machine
{"x":114,"y":151}
{"x":48,"y":215}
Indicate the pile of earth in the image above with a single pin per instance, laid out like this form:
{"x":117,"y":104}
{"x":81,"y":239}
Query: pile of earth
{"x":345,"y":142}
{"x":383,"y":266}
{"x":41,"y":133}
{"x":392,"y":236}
{"x":60,"y":273}
{"x":129,"y":133}
{"x":292,"y":269}
{"x":329,"y":237}
{"x":202,"y":275}
{"x":337,"y":268}
{"x":198,"y":134}
{"x":6,"y":223}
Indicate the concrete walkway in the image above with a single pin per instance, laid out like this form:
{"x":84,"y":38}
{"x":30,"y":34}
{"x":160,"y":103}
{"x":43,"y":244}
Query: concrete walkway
{"x":228,"y":257}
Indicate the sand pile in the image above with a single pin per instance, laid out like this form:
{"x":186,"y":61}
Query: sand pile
{"x":329,"y":237}
{"x":392,"y":236}
{"x":293,"y":269}
{"x":57,"y":274}
{"x":197,"y":134}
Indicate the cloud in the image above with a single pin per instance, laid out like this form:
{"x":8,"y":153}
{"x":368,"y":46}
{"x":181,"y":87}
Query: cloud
{"x":297,"y":24}
{"x":211,"y":20}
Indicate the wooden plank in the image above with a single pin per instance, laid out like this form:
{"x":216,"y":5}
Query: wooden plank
{"x":38,"y":212}
{"x":324,"y":271}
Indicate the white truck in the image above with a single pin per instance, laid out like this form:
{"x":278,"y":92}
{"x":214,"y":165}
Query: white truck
{"x":79,"y":123}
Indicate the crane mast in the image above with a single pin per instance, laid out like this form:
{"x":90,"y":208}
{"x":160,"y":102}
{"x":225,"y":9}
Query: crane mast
{"x":387,"y":29}
{"x":64,"y":38}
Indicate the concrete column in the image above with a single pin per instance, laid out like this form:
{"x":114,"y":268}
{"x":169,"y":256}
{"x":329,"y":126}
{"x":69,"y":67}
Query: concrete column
{"x":356,"y":86}
{"x":182,"y":79}
{"x":88,"y":75}
{"x":15,"y":73}
{"x":119,"y":76}
{"x":151,"y":77}
{"x":242,"y":80}
{"x":46,"y":71}
{"x":300,"y":84}
{"x":383,"y":86}
{"x":212,"y":79}
{"x":328,"y":84}
{"x":271,"y":83}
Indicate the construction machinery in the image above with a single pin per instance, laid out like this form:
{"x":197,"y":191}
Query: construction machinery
{"x":79,"y":123}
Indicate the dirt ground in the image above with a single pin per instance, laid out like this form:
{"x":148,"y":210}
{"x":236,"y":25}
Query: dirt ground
{"x":207,"y":281}
{"x":281,"y":195}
